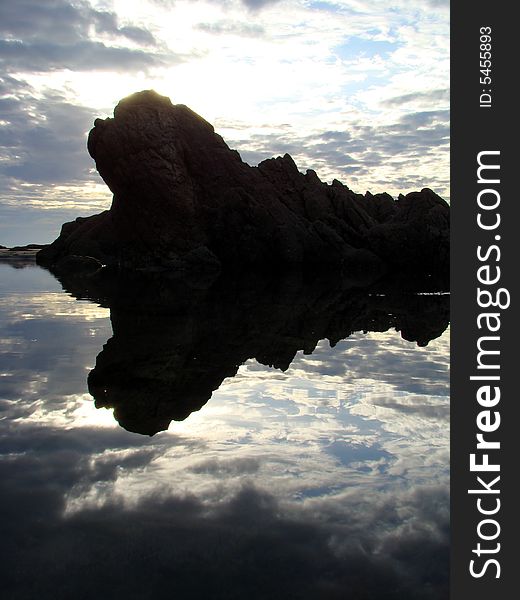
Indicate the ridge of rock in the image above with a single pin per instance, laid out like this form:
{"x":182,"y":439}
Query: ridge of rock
{"x":184,"y":199}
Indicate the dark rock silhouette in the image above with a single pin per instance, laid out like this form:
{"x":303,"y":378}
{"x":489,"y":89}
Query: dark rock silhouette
{"x":184,"y":200}
{"x":175,"y":341}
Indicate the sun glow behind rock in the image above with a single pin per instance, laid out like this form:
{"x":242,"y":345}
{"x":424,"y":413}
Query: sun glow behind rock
{"x":355,"y":90}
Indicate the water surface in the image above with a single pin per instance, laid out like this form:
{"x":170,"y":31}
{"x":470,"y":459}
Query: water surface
{"x":328,"y":479}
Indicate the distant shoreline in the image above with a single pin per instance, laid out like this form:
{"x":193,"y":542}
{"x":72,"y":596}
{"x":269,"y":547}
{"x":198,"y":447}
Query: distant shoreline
{"x":20,"y":253}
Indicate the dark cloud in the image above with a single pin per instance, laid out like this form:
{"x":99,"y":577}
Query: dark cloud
{"x":56,"y":34}
{"x":78,"y":445}
{"x":439,"y":412}
{"x":423,"y":119}
{"x":62,"y":21}
{"x":81,"y":56}
{"x":430,"y":96}
{"x":438,"y":3}
{"x":244,"y":545}
{"x":138,"y":35}
{"x":226,"y":468}
{"x":45,"y":139}
{"x":363,"y":147}
{"x":335,"y":136}
{"x":413,"y":135}
{"x":34,"y":20}
{"x":350,"y":453}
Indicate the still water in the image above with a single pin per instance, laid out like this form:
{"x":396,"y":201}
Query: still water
{"x":294,"y":467}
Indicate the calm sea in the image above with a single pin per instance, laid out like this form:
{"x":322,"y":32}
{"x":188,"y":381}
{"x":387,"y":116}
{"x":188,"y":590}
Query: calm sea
{"x":324,"y":478}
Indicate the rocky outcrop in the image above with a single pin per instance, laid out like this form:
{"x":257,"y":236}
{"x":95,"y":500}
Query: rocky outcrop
{"x":184,"y":199}
{"x":175,"y":341}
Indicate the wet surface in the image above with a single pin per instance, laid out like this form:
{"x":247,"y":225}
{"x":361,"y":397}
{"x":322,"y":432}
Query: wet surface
{"x":260,"y":462}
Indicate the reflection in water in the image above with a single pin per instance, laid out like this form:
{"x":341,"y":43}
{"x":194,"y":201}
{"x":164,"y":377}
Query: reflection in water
{"x":328,"y":479}
{"x":174,"y":344}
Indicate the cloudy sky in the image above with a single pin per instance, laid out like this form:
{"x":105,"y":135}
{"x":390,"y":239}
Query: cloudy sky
{"x":355,"y":89}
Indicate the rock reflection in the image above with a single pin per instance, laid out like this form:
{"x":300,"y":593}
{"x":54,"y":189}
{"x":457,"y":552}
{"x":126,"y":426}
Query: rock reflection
{"x":175,"y":341}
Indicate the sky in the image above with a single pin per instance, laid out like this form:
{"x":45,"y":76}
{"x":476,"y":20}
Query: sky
{"x":357,"y":90}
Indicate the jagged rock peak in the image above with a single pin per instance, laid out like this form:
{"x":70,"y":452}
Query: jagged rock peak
{"x":184,"y":199}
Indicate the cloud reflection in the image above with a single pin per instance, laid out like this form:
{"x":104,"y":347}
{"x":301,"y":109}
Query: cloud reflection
{"x":248,"y":541}
{"x":330,"y":476}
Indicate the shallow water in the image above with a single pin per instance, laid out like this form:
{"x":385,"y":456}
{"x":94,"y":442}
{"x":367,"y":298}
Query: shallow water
{"x":327,"y":480}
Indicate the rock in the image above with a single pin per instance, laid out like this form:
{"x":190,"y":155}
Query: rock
{"x":184,"y":199}
{"x":77,"y":265}
{"x":416,"y":236}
